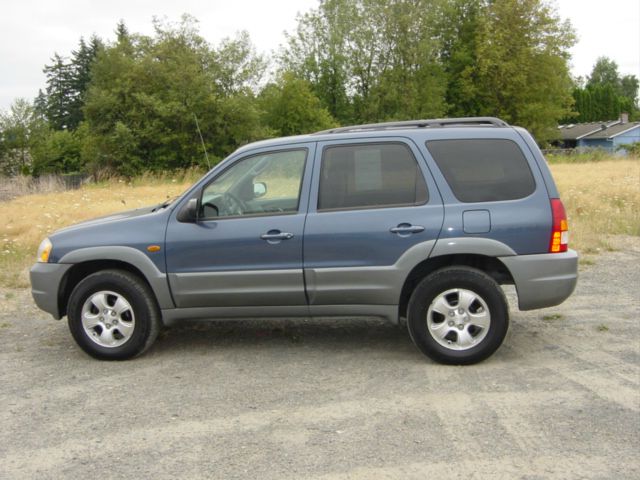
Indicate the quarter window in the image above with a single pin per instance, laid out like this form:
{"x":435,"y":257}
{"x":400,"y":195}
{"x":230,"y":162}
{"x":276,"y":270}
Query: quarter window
{"x":483,"y":170}
{"x":370,"y":175}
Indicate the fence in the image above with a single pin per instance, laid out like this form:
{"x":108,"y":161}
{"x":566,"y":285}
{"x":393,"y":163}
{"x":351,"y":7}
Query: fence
{"x":15,"y":186}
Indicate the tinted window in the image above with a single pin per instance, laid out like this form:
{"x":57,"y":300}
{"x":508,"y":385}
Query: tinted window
{"x":483,"y":170}
{"x":361,"y":176}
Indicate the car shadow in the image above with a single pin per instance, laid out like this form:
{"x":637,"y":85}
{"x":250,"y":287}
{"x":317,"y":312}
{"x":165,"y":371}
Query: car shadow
{"x":348,"y":334}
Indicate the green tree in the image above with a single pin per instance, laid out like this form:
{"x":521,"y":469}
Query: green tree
{"x":146,"y":93}
{"x":58,"y":98}
{"x":522,"y":65}
{"x":459,"y":27}
{"x":67,"y":82}
{"x":604,"y":72}
{"x":318,"y":52}
{"x":58,"y":151}
{"x":609,"y":94}
{"x":81,"y":63}
{"x":20,"y":129}
{"x":370,"y":60}
{"x":290,"y":107}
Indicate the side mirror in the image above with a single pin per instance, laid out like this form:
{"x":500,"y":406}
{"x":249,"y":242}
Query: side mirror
{"x":189,"y":212}
{"x":259,"y":189}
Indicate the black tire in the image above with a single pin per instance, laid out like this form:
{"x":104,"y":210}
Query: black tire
{"x":143,"y":305}
{"x":430,"y":289}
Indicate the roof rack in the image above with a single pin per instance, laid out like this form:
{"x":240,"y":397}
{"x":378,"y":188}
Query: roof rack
{"x":440,"y":122}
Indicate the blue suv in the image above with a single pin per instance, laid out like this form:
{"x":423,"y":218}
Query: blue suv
{"x":418,"y":222}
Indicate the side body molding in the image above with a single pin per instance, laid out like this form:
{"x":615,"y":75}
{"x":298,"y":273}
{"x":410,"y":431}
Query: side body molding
{"x":155,"y":277}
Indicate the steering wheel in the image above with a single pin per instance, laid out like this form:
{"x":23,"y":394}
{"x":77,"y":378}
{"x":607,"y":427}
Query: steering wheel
{"x":234,"y":206}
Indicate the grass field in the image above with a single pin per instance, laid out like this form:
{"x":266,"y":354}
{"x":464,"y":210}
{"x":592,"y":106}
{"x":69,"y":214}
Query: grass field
{"x":602,"y":198}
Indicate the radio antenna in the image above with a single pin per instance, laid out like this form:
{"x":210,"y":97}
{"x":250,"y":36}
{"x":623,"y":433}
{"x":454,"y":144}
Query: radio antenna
{"x":204,"y":148}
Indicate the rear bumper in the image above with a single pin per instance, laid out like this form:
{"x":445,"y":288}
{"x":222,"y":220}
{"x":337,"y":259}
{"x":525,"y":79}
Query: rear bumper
{"x":45,"y":284}
{"x":543,"y":280}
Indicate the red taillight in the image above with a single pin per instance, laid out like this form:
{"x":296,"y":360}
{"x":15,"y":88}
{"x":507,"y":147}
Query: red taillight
{"x":560,"y":228}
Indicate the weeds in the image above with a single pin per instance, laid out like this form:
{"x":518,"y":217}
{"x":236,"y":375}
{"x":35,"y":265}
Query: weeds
{"x":585,"y":155}
{"x":601,"y":199}
{"x":553,"y":317}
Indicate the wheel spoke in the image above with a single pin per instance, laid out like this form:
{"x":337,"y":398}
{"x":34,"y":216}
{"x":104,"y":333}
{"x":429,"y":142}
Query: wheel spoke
{"x":465,"y":340}
{"x":466,"y":299}
{"x":106,"y":336}
{"x":440,"y":329}
{"x":481,"y":319}
{"x":99,"y":300}
{"x":125,"y":328}
{"x":89,"y":320}
{"x":441,"y":305}
{"x":121,"y":306}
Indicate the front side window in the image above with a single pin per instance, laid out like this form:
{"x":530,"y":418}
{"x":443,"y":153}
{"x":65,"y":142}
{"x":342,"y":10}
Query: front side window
{"x":264,"y":184}
{"x":370,"y":175}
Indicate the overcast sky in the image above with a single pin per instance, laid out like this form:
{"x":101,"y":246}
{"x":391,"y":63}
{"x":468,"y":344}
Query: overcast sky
{"x":32,"y":30}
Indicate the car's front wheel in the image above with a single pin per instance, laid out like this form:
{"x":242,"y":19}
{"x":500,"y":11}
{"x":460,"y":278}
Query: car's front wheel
{"x":113,"y":315}
{"x":458,"y":315}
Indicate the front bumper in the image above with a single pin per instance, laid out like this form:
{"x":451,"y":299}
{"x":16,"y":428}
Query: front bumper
{"x":45,"y":285}
{"x":543,"y":280}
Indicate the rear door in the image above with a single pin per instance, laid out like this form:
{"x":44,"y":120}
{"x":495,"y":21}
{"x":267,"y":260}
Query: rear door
{"x":374,"y":211}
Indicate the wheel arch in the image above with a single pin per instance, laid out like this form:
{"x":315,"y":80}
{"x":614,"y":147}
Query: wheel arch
{"x":91,"y":260}
{"x":492,"y":266}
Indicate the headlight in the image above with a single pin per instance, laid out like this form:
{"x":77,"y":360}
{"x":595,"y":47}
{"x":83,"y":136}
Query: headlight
{"x":44,"y":250}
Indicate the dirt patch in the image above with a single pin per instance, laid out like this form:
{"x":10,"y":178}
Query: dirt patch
{"x":333,"y":399}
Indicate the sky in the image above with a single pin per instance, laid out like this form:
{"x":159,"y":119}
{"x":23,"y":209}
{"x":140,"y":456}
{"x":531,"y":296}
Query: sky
{"x":31,"y":31}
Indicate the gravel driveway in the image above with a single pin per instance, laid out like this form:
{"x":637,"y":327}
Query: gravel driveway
{"x":332,"y":399}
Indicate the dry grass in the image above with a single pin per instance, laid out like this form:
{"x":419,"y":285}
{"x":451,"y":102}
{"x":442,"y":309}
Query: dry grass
{"x":26,"y":220}
{"x":602,"y":198}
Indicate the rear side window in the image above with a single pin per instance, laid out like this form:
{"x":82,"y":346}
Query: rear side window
{"x":370,"y":175}
{"x":483,"y":170}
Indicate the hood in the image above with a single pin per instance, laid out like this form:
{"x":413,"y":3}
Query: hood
{"x":111,"y":218}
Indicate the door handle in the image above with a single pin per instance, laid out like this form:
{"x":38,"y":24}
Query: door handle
{"x":276,"y":236}
{"x":406,"y":228}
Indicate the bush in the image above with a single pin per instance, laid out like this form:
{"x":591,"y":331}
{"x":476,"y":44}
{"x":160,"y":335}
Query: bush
{"x":633,"y":149}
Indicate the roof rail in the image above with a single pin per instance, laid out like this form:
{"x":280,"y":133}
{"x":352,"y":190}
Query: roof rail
{"x":440,"y":122}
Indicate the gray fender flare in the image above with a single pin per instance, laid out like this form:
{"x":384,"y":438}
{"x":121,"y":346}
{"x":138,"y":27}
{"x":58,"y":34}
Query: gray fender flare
{"x":157,"y":280}
{"x":471,"y":246}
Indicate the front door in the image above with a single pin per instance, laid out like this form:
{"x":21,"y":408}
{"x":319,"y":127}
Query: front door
{"x":246,"y":247}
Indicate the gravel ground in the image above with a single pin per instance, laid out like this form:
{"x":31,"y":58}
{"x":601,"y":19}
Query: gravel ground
{"x":332,"y":399}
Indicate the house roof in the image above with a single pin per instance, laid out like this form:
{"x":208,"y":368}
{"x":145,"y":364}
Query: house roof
{"x":612,"y":131}
{"x":576,"y":131}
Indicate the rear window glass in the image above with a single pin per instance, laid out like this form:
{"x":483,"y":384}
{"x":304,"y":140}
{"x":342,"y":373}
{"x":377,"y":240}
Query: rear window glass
{"x":369,"y":176}
{"x":483,"y":170}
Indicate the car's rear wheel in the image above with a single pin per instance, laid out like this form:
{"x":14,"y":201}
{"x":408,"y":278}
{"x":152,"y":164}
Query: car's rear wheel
{"x":113,"y":315}
{"x":458,"y":315}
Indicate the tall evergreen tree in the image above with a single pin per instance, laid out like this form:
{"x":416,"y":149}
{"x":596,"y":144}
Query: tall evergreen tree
{"x":609,"y":94}
{"x":81,"y":63}
{"x":59,"y":92}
